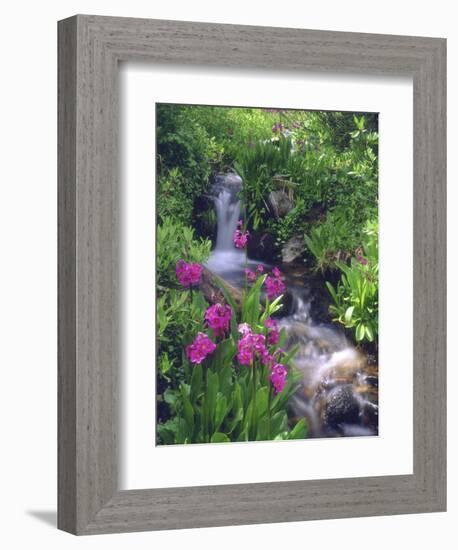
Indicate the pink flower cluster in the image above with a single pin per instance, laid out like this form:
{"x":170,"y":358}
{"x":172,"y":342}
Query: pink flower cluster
{"x":273,"y":334}
{"x":188,"y":274}
{"x":252,"y":346}
{"x":277,"y":377}
{"x":277,"y":127}
{"x":218,"y":318}
{"x":240,"y":237}
{"x":200,"y":348}
{"x":252,"y":275}
{"x":274,"y":284}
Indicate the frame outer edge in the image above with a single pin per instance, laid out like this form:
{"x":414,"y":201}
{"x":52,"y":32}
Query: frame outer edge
{"x":89,"y":502}
{"x":67,"y":132}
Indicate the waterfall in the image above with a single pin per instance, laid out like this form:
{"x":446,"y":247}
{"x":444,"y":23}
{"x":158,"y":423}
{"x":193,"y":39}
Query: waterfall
{"x":226,"y":260}
{"x":228,"y":213}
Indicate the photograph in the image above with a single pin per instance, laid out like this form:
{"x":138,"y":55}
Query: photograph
{"x":266,"y":274}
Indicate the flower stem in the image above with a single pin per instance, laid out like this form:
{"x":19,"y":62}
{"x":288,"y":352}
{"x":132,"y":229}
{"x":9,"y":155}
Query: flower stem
{"x":254,"y":403}
{"x":269,"y":412}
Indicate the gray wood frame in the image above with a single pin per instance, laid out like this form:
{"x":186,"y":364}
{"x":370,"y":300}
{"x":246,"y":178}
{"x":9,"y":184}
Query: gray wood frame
{"x":90,"y":48}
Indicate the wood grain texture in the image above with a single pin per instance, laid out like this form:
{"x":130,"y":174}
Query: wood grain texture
{"x":90,"y":48}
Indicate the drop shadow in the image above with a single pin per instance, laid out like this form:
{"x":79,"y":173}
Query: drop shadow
{"x":45,"y":516}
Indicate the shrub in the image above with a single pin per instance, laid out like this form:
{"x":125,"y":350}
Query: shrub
{"x":356,"y":296}
{"x":334,"y":240}
{"x":184,"y":154}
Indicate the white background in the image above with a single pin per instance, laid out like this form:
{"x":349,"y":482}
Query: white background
{"x":388,"y":454}
{"x":28,"y":273}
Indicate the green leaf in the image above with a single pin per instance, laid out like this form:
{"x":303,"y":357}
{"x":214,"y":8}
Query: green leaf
{"x":262,"y":398}
{"x":243,"y":435}
{"x":188,"y":411}
{"x":262,"y":426}
{"x":225,"y":380}
{"x":360,"y":330}
{"x":332,"y":292}
{"x":221,"y":410}
{"x":210,"y":397}
{"x":369,"y":333}
{"x":196,"y":382}
{"x":279,"y":423}
{"x":219,"y":437}
{"x":299,"y":431}
{"x":349,"y":313}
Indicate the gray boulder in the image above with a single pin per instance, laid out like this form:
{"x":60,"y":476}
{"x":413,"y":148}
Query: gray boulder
{"x":293,"y":249}
{"x":342,"y":407}
{"x":280,"y":203}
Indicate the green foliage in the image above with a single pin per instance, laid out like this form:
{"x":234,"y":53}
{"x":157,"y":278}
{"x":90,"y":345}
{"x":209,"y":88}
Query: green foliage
{"x":333,"y":240}
{"x":331,"y":178}
{"x":177,"y":316}
{"x":175,"y":241}
{"x":217,"y":402}
{"x":356,"y":296}
{"x":257,"y":166}
{"x":184,"y":155}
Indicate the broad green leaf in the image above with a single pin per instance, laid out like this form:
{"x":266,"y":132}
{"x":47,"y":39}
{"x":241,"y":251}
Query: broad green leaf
{"x":299,"y":431}
{"x":279,"y":423}
{"x":360,"y":330}
{"x":196,"y":382}
{"x":349,"y":313}
{"x":369,"y":333}
{"x":221,"y":410}
{"x":188,"y":411}
{"x":332,"y":292}
{"x":211,"y":391}
{"x":219,"y":437}
{"x":262,"y":398}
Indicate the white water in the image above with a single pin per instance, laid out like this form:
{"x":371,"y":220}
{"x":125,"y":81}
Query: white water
{"x":326,"y":359}
{"x":226,"y":260}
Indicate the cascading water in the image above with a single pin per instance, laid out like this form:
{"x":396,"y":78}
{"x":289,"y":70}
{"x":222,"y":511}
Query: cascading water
{"x":226,"y":260}
{"x":338,"y":394}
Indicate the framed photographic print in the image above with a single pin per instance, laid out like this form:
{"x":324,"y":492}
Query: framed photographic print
{"x":251,"y":275}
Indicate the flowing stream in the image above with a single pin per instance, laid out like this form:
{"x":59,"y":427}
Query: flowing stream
{"x":339,"y":390}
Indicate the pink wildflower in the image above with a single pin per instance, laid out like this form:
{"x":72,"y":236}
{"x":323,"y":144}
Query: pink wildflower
{"x":200,"y":348}
{"x":218,"y":318}
{"x":270,"y":323}
{"x":361,"y":259}
{"x":273,"y":334}
{"x":276,"y":272}
{"x":250,"y":347}
{"x":277,"y":377}
{"x":244,"y":328}
{"x":260,"y":269}
{"x":240,"y":238}
{"x":250,"y":275}
{"x":274,"y":287}
{"x":188,"y":274}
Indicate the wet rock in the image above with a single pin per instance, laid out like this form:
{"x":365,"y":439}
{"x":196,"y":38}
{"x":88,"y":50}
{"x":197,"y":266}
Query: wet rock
{"x":227,"y":180}
{"x":261,"y":246}
{"x":293,"y":249}
{"x":342,"y":407}
{"x":370,"y":415}
{"x":210,"y":288}
{"x":280,"y":203}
